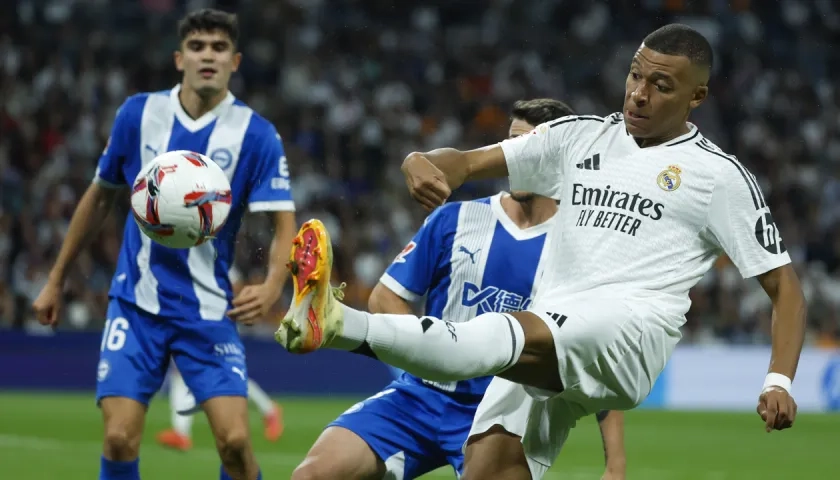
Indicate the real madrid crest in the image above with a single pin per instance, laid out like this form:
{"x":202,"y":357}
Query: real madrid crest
{"x":669,"y":180}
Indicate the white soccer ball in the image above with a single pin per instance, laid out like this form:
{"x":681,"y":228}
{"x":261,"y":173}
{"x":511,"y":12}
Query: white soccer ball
{"x":181,"y":199}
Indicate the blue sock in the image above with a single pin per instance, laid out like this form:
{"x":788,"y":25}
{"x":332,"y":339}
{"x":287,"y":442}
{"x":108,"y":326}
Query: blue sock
{"x":224,"y":476}
{"x":111,"y":470}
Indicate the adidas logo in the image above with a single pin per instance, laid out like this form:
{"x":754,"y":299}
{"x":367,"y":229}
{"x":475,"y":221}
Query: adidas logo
{"x":593,"y":163}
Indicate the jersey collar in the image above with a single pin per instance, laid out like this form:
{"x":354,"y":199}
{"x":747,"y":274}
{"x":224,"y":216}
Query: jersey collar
{"x":194,"y":125}
{"x":512,"y":228}
{"x":692,"y":136}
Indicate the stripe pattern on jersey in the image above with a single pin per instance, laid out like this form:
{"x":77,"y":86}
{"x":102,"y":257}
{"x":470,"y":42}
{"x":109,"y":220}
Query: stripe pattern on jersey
{"x":749,"y":178}
{"x":576,"y":118}
{"x":504,"y":265}
{"x":488,"y":265}
{"x":159,"y":128}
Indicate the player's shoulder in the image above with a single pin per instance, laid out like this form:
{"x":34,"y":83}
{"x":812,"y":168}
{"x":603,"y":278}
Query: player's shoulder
{"x":593,"y":123}
{"x":259,"y":126}
{"x":728,"y":172}
{"x":447,"y":212}
{"x":132,"y":107}
{"x":453,"y":209}
{"x":580,"y":131}
{"x":479,"y":201}
{"x":467,"y":215}
{"x":445,"y":216}
{"x":706,"y":153}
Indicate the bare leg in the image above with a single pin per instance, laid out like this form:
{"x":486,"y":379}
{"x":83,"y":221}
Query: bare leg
{"x":228,"y":418}
{"x":123,"y":419}
{"x":340,"y":454}
{"x":496,"y":454}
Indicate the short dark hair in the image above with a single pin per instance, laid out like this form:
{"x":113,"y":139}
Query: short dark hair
{"x":681,"y":40}
{"x":540,"y":110}
{"x":209,"y":20}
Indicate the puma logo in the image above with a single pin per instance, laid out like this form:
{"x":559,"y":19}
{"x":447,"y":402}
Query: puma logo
{"x":463,"y":249}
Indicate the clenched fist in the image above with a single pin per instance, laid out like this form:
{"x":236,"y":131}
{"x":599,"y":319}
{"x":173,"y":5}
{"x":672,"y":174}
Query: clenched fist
{"x":777,"y":408}
{"x":426,"y":183}
{"x":47,"y":306}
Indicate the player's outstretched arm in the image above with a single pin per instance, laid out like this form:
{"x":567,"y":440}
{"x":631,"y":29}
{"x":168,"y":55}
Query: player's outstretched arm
{"x":611,"y":423}
{"x":431,"y":176}
{"x":87,"y":220}
{"x":776,"y":406}
{"x":534,"y":163}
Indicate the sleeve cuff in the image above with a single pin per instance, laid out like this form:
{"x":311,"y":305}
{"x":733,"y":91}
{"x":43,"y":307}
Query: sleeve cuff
{"x":397,"y":288}
{"x":766,"y":266}
{"x":106,"y":184}
{"x":272,"y":206}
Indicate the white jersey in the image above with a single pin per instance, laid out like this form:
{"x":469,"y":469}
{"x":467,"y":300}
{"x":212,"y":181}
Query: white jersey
{"x":643,"y":224}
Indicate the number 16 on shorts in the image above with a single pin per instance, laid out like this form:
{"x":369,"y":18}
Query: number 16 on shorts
{"x":133,"y":354}
{"x":113,"y":338}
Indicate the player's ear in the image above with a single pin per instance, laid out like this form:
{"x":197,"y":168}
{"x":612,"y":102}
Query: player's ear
{"x":179,"y":60}
{"x":237,"y":59}
{"x":700,"y":94}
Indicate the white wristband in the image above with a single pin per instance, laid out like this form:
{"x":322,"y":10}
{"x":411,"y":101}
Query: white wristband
{"x":776,"y":380}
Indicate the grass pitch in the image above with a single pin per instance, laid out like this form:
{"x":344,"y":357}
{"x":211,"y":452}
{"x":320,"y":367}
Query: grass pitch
{"x":52,"y":436}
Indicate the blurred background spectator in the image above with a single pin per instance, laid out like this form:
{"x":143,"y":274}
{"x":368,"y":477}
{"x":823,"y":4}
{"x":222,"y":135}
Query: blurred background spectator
{"x":351,"y":98}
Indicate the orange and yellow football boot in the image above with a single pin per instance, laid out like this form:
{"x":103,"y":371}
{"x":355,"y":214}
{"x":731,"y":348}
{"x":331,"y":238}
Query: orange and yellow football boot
{"x":315,"y":316}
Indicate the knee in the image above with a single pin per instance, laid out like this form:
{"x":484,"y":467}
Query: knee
{"x":496,"y":454}
{"x":123,"y":419}
{"x":233,"y":444}
{"x":121,"y":444}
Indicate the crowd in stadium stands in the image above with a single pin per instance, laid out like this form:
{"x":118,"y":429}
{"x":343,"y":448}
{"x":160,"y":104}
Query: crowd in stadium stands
{"x":352,"y":97}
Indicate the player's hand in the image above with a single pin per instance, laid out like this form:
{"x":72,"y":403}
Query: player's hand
{"x":777,"y":408}
{"x":426,"y":183}
{"x":48,"y":304}
{"x":254,"y":302}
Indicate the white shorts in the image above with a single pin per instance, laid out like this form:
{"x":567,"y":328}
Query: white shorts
{"x":609,"y":354}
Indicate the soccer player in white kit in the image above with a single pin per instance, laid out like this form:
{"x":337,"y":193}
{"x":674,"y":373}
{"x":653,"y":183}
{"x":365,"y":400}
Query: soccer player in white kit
{"x":648,"y":205}
{"x":468,"y":258}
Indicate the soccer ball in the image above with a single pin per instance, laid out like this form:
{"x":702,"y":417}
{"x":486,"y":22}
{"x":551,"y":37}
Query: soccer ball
{"x":181,"y":199}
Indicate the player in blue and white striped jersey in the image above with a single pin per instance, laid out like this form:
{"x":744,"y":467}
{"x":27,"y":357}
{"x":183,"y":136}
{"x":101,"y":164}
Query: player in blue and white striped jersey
{"x":468,"y":258}
{"x":179,"y":303}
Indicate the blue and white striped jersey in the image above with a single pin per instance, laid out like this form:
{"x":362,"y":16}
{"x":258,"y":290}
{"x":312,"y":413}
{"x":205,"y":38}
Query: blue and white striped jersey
{"x":469,"y":258}
{"x":191,"y":283}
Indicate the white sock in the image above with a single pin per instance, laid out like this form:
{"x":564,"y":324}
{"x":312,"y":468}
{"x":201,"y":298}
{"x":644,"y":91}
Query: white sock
{"x":436,"y":350}
{"x":260,"y":398}
{"x":355,"y":329}
{"x":179,"y":397}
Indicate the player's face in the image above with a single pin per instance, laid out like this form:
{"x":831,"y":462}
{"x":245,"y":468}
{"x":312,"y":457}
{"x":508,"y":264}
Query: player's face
{"x":660,"y":92}
{"x":207,"y":60}
{"x":520,"y":127}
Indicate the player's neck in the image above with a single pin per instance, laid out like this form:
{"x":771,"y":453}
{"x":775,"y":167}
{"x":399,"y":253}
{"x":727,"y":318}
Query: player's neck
{"x":652,"y":142}
{"x":531,"y":212}
{"x":195,"y":105}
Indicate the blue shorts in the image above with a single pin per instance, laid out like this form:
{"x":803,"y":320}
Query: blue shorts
{"x":137,"y":346}
{"x":414,"y":429}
